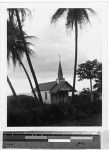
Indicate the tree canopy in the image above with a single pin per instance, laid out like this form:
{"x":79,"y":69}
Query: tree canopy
{"x":72,"y":14}
{"x":15,"y":45}
{"x":23,"y":13}
{"x":98,"y":79}
{"x":88,"y":70}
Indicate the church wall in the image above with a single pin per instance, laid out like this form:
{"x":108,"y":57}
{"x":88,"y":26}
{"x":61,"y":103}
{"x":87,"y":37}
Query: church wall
{"x":61,"y":97}
{"x":53,"y":98}
{"x":47,"y":98}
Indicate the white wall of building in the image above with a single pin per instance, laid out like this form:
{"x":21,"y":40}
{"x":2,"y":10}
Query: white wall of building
{"x":48,"y":100}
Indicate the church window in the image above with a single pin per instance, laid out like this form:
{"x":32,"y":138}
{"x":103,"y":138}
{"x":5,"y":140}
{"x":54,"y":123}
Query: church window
{"x":45,"y":95}
{"x":69,"y":93}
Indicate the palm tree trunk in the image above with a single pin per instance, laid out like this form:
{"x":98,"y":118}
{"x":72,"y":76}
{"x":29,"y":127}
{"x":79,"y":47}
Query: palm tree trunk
{"x":28,"y":58}
{"x":76,"y":50}
{"x":91,"y":92}
{"x":29,"y":80}
{"x":12,"y":89}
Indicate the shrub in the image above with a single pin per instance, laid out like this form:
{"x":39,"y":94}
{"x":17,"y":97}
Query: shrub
{"x":30,"y":113}
{"x":88,"y":109}
{"x":97,"y":107}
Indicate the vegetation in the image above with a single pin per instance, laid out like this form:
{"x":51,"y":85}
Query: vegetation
{"x":15,"y":50}
{"x":17,"y":17}
{"x":30,"y":113}
{"x":89,"y":70}
{"x":98,"y":79}
{"x":13,"y":91}
{"x":24,"y":110}
{"x":74,"y":17}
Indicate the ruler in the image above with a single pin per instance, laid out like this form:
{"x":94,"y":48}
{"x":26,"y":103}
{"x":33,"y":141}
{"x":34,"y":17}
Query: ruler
{"x":50,"y":140}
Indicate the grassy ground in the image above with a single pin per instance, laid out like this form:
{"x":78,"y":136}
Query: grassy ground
{"x":27,"y":112}
{"x":92,"y":121}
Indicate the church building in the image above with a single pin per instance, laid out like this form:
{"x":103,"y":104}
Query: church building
{"x":55,"y":92}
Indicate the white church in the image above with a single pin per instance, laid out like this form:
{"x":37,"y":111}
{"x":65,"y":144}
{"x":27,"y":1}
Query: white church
{"x":56,"y":91}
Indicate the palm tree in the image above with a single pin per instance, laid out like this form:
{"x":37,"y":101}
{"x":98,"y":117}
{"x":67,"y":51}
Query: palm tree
{"x":74,"y":17}
{"x":29,"y":80}
{"x":15,"y":48}
{"x":12,"y":89}
{"x":14,"y":16}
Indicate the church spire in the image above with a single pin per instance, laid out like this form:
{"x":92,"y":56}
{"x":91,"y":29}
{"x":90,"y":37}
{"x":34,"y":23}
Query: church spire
{"x":60,"y":73}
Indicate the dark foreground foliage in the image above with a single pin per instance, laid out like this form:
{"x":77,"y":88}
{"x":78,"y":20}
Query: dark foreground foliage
{"x":27,"y":112}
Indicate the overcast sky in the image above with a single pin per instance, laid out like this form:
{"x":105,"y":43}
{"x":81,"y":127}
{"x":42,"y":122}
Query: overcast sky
{"x":53,"y":40}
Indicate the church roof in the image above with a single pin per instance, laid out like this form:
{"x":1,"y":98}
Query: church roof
{"x":46,"y":86}
{"x":62,"y":86}
{"x":53,"y":87}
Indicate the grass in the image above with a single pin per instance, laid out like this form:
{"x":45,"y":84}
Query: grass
{"x":27,"y":112}
{"x":92,"y":121}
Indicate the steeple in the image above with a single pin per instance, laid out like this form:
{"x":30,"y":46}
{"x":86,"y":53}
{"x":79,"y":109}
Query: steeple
{"x":60,"y":73}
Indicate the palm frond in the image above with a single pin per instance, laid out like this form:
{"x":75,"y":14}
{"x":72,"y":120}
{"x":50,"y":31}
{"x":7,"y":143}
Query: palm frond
{"x":91,"y":11}
{"x":29,"y":37}
{"x":23,"y":12}
{"x":84,"y":18}
{"x":15,"y":45}
{"x":58,"y":14}
{"x":78,"y":14}
{"x":70,"y":19}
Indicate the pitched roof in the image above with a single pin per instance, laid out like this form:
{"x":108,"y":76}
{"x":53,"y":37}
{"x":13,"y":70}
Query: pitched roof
{"x":63,"y":86}
{"x":53,"y":87}
{"x":46,"y":86}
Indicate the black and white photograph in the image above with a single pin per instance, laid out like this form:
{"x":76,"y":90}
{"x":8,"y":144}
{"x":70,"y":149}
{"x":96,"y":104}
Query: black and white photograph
{"x":54,"y":66}
{"x":54,"y":74}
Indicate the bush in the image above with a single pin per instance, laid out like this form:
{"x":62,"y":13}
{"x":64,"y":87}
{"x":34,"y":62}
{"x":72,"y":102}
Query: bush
{"x":80,"y":115}
{"x":69,"y":110}
{"x":17,"y":117}
{"x":29,"y":113}
{"x":88,"y":109}
{"x":26,"y":112}
{"x":97,"y":107}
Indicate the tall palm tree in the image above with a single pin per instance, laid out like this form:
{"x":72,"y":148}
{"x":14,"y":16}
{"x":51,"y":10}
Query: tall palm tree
{"x":16,"y":50}
{"x":29,"y":80}
{"x":18,"y":16}
{"x":12,"y":89}
{"x":74,"y":17}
